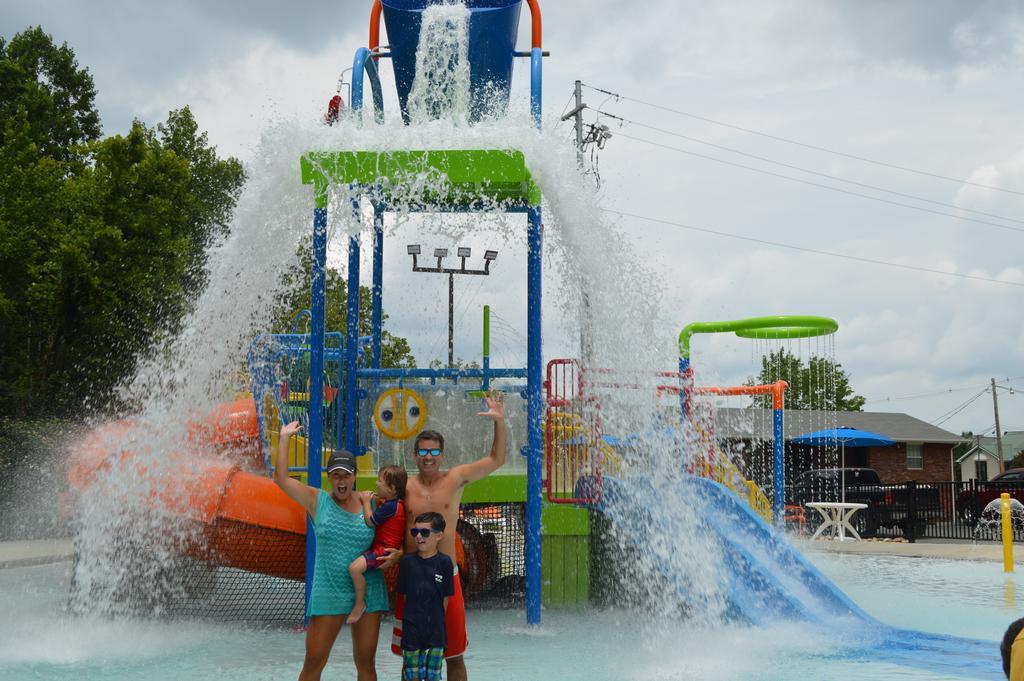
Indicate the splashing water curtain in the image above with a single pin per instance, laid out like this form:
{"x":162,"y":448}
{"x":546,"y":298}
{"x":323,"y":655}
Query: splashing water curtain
{"x":468,"y":180}
{"x":735,"y":566}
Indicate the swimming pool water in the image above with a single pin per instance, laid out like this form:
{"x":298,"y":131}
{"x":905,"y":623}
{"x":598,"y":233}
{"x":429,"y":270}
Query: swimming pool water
{"x":39,"y":641}
{"x":975,"y":599}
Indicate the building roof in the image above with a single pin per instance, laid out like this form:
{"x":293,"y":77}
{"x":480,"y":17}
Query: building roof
{"x":1013,"y":443}
{"x":740,"y":424}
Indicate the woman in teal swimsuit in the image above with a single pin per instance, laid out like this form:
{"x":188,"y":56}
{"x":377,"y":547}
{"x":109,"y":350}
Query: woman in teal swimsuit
{"x":341,"y":536}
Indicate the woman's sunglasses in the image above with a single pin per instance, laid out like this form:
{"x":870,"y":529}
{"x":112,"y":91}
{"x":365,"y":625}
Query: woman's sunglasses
{"x":431,"y":452}
{"x":421,"y":531}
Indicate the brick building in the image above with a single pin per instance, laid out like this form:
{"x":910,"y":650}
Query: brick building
{"x":922,"y":452}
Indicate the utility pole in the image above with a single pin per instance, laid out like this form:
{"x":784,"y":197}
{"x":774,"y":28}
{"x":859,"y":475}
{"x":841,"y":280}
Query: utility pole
{"x":579,"y":124}
{"x":586,"y":348}
{"x":999,"y":432}
{"x":577,"y":114}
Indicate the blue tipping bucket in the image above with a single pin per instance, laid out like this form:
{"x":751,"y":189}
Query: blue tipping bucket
{"x":493,"y":25}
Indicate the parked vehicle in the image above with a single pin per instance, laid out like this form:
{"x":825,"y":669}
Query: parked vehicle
{"x":907,"y":507}
{"x":976,"y":497}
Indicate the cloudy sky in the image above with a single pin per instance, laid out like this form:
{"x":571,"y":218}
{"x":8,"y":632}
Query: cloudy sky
{"x":932,"y":85}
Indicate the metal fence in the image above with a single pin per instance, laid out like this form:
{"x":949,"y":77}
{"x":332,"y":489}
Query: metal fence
{"x":935,"y":510}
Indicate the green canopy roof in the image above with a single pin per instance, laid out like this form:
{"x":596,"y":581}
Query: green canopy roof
{"x":434,"y":179}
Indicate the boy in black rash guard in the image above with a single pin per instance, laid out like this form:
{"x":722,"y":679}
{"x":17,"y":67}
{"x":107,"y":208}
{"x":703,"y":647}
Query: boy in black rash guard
{"x":426,"y":579}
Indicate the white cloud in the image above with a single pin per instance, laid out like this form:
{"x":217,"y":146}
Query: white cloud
{"x":930,"y":85}
{"x":263,"y":82}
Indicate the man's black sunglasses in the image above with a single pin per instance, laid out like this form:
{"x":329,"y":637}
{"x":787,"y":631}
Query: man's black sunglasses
{"x":431,"y":452}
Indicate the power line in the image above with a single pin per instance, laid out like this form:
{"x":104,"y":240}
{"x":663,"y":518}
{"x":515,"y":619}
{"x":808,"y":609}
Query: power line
{"x":981,"y":433}
{"x":945,"y":391}
{"x":823,"y":186}
{"x":566,"y":107}
{"x":779,"y":244}
{"x":805,"y":170}
{"x":561,"y":116}
{"x":920,"y":395}
{"x":805,"y":144}
{"x":956,"y":410}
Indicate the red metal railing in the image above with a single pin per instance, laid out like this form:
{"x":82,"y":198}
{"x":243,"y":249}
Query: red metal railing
{"x":574,"y":450}
{"x":576,"y":454}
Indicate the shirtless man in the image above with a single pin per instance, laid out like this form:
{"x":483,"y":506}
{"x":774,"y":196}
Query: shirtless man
{"x":433,"y":489}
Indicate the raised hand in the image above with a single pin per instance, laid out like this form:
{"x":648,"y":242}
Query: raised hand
{"x":297,"y":491}
{"x":495,"y":400}
{"x":290,"y":429}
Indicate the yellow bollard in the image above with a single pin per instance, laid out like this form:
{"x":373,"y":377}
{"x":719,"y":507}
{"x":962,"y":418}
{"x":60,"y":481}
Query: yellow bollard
{"x":1007,"y":533}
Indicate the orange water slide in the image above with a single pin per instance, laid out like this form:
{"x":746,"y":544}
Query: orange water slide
{"x":245,"y":520}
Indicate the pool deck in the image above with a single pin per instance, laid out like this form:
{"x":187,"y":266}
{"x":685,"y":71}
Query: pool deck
{"x":948,"y":549}
{"x":34,"y":552}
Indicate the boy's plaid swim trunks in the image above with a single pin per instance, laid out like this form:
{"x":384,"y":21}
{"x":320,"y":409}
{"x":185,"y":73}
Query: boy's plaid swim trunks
{"x":422,"y":665}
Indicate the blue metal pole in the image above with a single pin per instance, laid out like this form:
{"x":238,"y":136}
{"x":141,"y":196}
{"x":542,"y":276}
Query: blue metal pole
{"x":351,"y":361}
{"x":362,"y":64}
{"x":534,"y":377}
{"x":535,"y":415}
{"x":536,"y":60}
{"x":352,"y":342}
{"x":316,"y":376}
{"x":358,"y":65}
{"x":778,"y":465}
{"x":377,"y":315}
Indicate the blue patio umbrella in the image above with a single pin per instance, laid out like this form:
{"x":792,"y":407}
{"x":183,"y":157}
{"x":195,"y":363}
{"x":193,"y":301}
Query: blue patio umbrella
{"x":843,"y":436}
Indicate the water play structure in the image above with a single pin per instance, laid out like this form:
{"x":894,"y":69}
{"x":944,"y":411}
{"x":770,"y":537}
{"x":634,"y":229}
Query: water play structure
{"x":526,"y":530}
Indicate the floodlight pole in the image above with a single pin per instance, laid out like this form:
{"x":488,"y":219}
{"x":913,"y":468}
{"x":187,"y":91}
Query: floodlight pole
{"x":451,"y":319}
{"x":451,"y":272}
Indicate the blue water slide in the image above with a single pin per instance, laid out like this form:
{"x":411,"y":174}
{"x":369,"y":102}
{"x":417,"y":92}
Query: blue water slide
{"x":769,"y":580}
{"x":493,"y":25}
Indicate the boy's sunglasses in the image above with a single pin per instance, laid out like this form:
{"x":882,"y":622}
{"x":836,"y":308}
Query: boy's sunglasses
{"x":431,"y":452}
{"x":421,"y":531}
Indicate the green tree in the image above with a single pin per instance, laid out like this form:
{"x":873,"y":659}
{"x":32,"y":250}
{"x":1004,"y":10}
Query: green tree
{"x":101,"y":241}
{"x":43,"y":82}
{"x":395,"y":350}
{"x":99,"y":258}
{"x":29,"y":188}
{"x":964,"y":447}
{"x":821,"y":383}
{"x":1017,"y":461}
{"x":214,"y":185}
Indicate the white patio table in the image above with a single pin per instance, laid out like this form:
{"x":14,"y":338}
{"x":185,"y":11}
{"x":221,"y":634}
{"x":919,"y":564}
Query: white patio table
{"x":837,"y":518}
